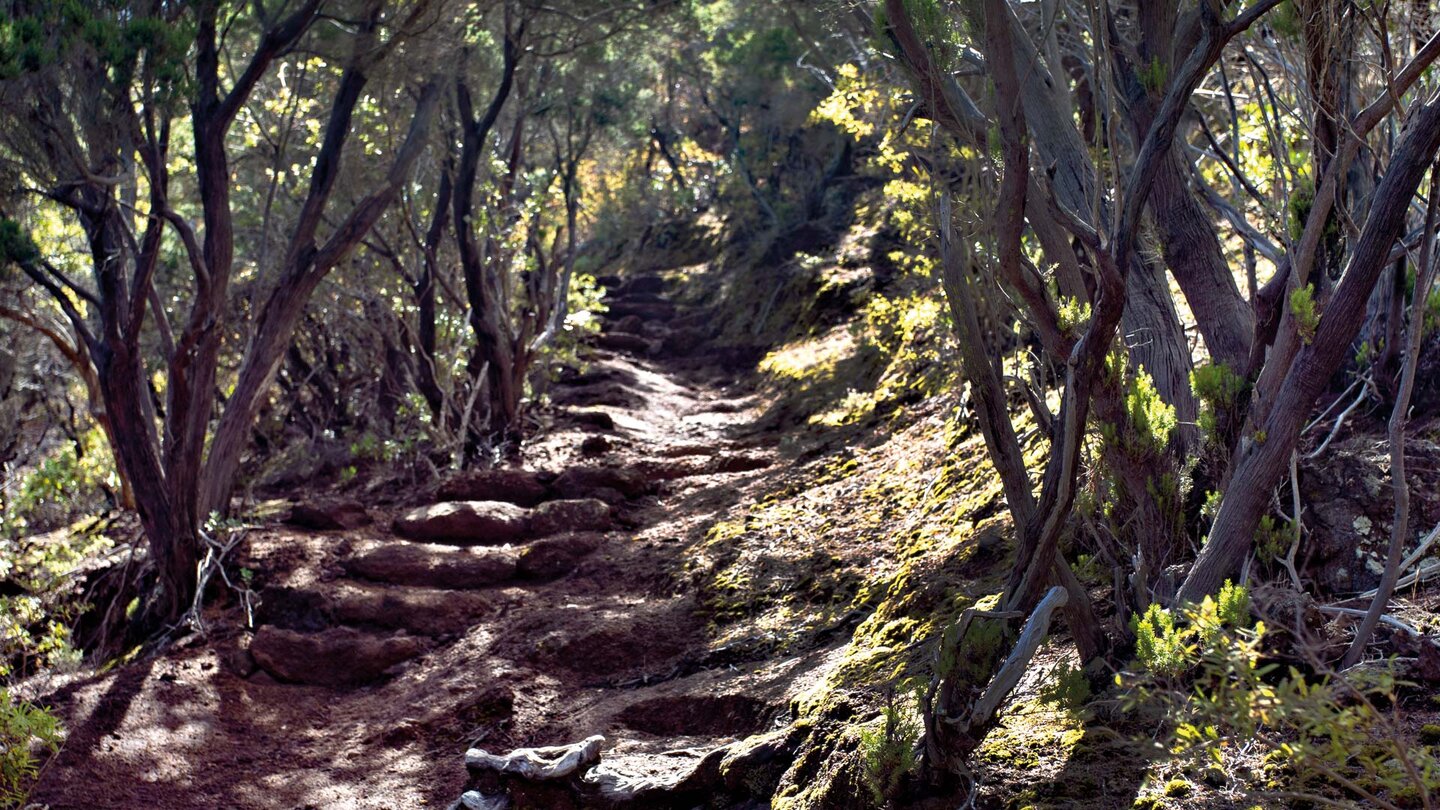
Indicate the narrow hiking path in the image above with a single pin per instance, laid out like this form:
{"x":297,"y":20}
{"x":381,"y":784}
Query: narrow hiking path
{"x":531,"y":605}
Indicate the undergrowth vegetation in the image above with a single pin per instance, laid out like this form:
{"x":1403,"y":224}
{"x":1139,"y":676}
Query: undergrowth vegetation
{"x":1262,"y":728}
{"x":30,"y":737}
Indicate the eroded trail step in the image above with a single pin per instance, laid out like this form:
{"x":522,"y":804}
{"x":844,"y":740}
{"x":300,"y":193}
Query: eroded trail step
{"x":629,"y":657}
{"x":434,"y":576}
{"x":504,"y":607}
{"x":427,"y":581}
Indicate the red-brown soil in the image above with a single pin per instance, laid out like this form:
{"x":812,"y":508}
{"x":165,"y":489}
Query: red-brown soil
{"x":616,"y":646}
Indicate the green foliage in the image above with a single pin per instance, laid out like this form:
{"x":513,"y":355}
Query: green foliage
{"x":1218,"y":390}
{"x":16,"y":246}
{"x":1167,"y":649}
{"x":34,"y":631}
{"x":124,"y":43}
{"x":22,"y":48}
{"x":1365,"y":353}
{"x":1273,"y":538}
{"x":1302,"y":309}
{"x":1068,"y":689}
{"x":1159,"y":647}
{"x":35,"y":624}
{"x":1432,"y":312}
{"x":392,"y":450}
{"x":29,"y":736}
{"x":1302,"y":199}
{"x":933,"y":25}
{"x":888,"y":748}
{"x":1216,"y":383}
{"x":1211,"y":507}
{"x":1178,"y":788}
{"x":1285,"y":21}
{"x":582,"y":316}
{"x":1151,"y":421}
{"x":1432,"y":302}
{"x":66,"y":485}
{"x":1218,"y":698}
{"x":1072,"y":316}
{"x":1232,"y":607}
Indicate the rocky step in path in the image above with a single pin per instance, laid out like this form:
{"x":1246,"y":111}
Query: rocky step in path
{"x":641,"y":324}
{"x":425,"y":584}
{"x":504,"y":608}
{"x":400,"y":596}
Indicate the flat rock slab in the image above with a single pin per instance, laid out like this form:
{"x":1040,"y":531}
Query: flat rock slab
{"x":329,"y":516}
{"x":670,"y":469}
{"x":430,"y":566}
{"x":554,"y":557}
{"x":467,"y":523}
{"x":643,"y":285}
{"x":606,"y":394}
{"x":649,"y":310}
{"x":590,"y":418}
{"x":739,"y":462}
{"x":682,"y":342}
{"x":301,"y":609}
{"x":522,"y":487}
{"x":631,"y":324}
{"x":624,"y":342}
{"x":596,"y":446}
{"x":420,"y":611}
{"x":579,"y":515}
{"x":340,"y":656}
{"x":586,"y":481}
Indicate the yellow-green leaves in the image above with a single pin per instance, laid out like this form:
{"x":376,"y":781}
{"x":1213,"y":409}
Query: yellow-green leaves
{"x":1152,"y":420}
{"x":1302,"y":309}
{"x":852,"y":104}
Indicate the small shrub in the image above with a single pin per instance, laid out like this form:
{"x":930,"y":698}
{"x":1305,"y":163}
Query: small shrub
{"x":29,"y":736}
{"x":1218,"y":389}
{"x":1151,"y":420}
{"x":888,"y":749}
{"x":35,"y":623}
{"x":72,"y":481}
{"x":1302,"y":309}
{"x":1273,"y":538}
{"x":1177,"y":788}
{"x":1073,"y":316}
{"x":1202,"y":667}
{"x":1067,"y":689}
{"x":1159,"y":647}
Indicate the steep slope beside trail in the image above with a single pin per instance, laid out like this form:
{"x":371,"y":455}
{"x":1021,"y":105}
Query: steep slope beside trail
{"x":378,"y":659}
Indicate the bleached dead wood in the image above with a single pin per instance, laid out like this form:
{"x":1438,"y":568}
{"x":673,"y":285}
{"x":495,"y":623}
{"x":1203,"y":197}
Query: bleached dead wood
{"x":1037,"y":627}
{"x":537,"y":764}
{"x":475,"y":800}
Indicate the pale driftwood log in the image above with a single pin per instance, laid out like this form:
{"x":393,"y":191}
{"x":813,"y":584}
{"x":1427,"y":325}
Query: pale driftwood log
{"x":1423,"y":574}
{"x":537,"y":764}
{"x":1037,"y":627}
{"x":1384,"y":618}
{"x":475,"y":800}
{"x":505,"y":782}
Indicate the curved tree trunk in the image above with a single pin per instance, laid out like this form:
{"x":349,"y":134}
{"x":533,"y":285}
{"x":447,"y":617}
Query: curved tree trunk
{"x":306,"y":267}
{"x":1265,"y":458}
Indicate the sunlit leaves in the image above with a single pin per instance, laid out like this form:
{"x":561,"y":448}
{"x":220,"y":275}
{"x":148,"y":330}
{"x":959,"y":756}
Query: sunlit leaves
{"x":852,"y":104}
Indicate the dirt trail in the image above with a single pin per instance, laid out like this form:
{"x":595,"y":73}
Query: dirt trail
{"x":379,"y":658}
